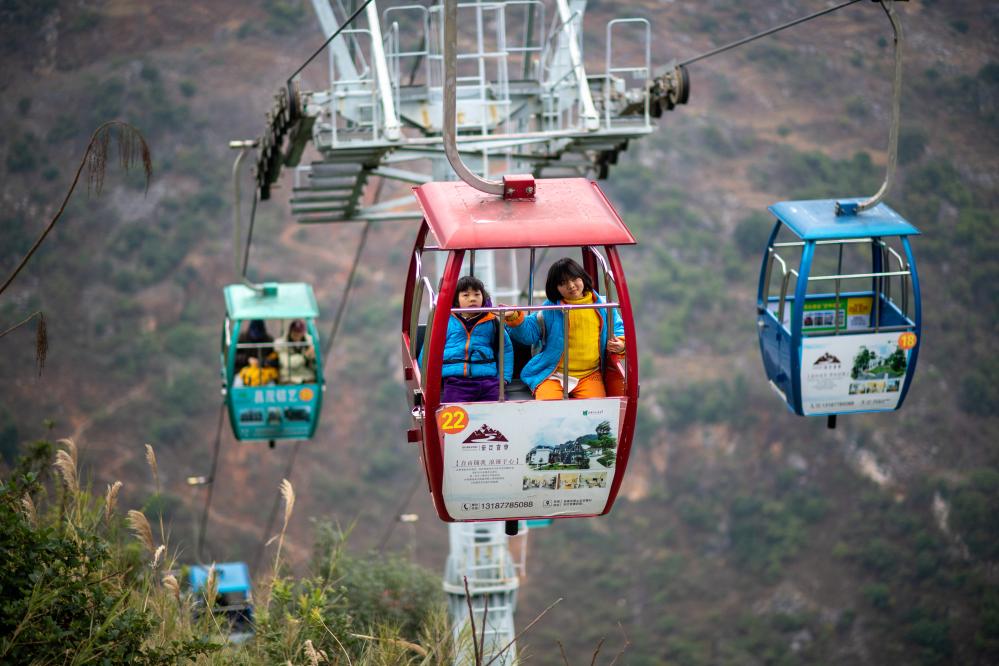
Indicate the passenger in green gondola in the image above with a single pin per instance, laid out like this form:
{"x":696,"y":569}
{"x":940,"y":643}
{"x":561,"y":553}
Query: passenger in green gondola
{"x":297,"y":355}
{"x":256,"y":361}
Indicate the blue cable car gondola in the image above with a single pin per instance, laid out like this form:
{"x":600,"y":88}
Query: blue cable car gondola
{"x":836,"y":342}
{"x":273,"y":387}
{"x":233,"y":596}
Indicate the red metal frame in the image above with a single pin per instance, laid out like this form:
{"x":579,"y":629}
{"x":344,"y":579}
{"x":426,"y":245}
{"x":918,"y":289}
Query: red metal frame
{"x":450,"y":218}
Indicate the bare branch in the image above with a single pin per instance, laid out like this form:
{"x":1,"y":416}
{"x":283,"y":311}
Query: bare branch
{"x":41,"y":337}
{"x":524,"y":630}
{"x":561,"y":648}
{"x":482,"y":634}
{"x":627,"y":644}
{"x":471,"y":619}
{"x":95,"y":159}
{"x":597,"y":651}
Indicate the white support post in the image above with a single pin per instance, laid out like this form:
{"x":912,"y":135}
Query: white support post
{"x":588,"y":112}
{"x":341,"y":56}
{"x":392,"y":127}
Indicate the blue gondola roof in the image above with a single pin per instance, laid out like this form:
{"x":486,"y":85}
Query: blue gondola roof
{"x":231,"y":577}
{"x":293,"y":300}
{"x":817,"y":220}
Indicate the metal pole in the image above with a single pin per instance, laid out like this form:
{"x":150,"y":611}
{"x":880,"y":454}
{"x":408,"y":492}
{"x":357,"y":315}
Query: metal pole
{"x":451,"y":104}
{"x":889,"y":7}
{"x":244,"y":147}
{"x":392,"y":126}
{"x":565,"y":355}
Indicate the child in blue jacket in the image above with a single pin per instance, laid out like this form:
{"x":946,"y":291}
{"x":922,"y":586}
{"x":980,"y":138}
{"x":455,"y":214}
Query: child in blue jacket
{"x":471,"y":349}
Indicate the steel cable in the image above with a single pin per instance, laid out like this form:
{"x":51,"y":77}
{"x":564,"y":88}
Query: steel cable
{"x":312,"y":57}
{"x":274,"y":509}
{"x":211,"y":487}
{"x":746,"y":40}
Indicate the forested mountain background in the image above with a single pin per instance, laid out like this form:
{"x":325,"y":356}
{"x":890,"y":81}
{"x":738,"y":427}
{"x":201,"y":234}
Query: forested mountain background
{"x":744,"y":535}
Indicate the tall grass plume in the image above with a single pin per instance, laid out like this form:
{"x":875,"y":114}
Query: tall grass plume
{"x":140,"y":527}
{"x":110,"y":500}
{"x":151,"y":461}
{"x":65,"y":464}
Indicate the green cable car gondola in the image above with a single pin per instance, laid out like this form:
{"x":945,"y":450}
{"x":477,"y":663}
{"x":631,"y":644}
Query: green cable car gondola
{"x":273,"y":385}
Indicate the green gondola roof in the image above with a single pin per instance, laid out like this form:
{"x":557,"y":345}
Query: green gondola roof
{"x":291,"y":300}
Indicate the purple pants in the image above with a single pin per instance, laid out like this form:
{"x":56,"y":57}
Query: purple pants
{"x":469,"y":389}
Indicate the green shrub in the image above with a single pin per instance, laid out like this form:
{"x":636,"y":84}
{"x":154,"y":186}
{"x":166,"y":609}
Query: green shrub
{"x":765,"y":535}
{"x":68,"y":595}
{"x":707,"y":402}
{"x":188,"y":88}
{"x":911,"y":144}
{"x":879,"y":556}
{"x":9,"y":438}
{"x":960,"y":25}
{"x":978,"y":393}
{"x":751,"y":234}
{"x":973,"y":513}
{"x":933,"y":636}
{"x":284,"y":16}
{"x":21,"y":154}
{"x":878,"y":595}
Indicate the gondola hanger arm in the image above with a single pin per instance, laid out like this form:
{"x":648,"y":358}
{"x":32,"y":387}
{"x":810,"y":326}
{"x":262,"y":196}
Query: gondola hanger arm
{"x":512,"y":187}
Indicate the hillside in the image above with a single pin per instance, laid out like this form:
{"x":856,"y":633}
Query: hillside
{"x":744,"y":535}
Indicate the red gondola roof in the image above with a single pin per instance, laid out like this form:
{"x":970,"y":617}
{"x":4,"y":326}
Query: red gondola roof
{"x":565,"y":212}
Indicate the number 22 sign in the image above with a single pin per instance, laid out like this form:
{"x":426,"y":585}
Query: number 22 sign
{"x":452,"y":420}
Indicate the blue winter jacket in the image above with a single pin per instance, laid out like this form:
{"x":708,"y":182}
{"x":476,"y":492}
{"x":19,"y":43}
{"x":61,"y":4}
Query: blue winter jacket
{"x":470,"y":353}
{"x":529,"y":332}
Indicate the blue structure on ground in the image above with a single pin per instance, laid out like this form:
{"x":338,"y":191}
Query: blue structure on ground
{"x":233,"y":595}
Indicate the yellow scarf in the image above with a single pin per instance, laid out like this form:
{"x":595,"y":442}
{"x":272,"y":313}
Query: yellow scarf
{"x":584,"y":338}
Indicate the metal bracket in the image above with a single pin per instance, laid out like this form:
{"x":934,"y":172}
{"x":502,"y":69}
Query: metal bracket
{"x":518,"y":187}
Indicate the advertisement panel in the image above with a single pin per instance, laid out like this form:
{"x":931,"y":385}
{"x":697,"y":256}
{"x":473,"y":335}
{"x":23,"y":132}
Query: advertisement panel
{"x":525,"y":459}
{"x":854,"y":373}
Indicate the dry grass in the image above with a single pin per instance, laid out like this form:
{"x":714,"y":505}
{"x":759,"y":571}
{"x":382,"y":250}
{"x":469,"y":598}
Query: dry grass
{"x":140,"y":527}
{"x":110,"y":500}
{"x":65,"y":464}
{"x":29,"y":510}
{"x":158,"y":556}
{"x":151,"y":461}
{"x":171,"y":584}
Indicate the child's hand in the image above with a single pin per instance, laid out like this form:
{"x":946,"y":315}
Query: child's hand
{"x":512,"y":316}
{"x":615,"y":345}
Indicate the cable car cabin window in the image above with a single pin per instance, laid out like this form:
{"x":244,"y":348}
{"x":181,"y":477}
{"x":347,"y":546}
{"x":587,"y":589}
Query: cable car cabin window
{"x":515,"y":281}
{"x":782,"y":276}
{"x":274,"y":352}
{"x":843,"y":279}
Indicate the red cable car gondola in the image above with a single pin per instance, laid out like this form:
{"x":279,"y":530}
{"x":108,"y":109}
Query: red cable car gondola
{"x":517,"y":458}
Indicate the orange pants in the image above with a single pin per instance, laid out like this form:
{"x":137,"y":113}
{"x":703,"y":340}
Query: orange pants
{"x":590,"y":386}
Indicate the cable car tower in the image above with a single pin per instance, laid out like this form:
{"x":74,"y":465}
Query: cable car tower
{"x":526,"y":102}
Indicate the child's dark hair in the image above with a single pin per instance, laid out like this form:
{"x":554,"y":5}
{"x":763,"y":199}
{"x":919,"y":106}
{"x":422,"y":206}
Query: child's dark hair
{"x":469,"y":283}
{"x":563,"y":270}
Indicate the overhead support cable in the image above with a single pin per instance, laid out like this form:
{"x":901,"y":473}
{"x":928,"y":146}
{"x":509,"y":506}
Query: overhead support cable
{"x":746,"y":40}
{"x":350,"y":19}
{"x":274,"y":510}
{"x":847,"y":208}
{"x":210,"y":482}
